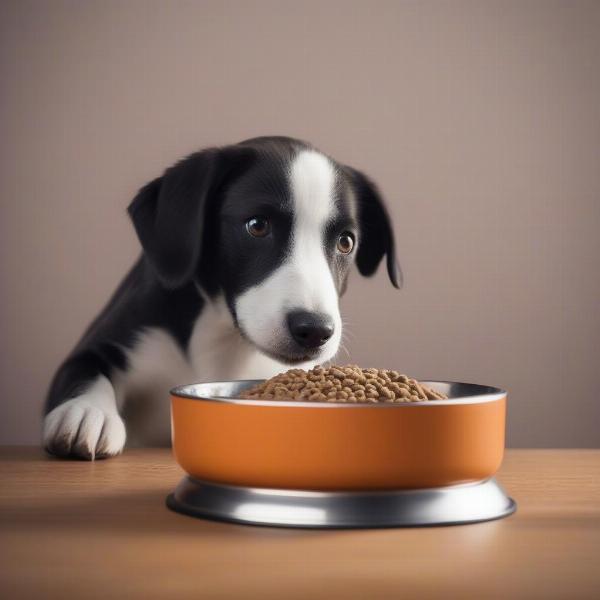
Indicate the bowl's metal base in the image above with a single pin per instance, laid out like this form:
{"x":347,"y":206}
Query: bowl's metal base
{"x":451,"y":505}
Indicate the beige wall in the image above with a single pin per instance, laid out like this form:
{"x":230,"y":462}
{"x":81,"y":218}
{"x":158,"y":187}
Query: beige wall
{"x":479,"y":120}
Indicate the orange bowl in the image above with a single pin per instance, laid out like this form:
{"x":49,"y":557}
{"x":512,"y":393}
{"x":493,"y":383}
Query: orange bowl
{"x":332,"y":446}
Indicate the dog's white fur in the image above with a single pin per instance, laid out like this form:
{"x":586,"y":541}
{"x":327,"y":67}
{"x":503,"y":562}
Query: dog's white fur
{"x":216,"y":349}
{"x":92,"y":417}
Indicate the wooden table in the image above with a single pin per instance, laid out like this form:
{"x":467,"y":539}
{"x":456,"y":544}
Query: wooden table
{"x":101,"y":530}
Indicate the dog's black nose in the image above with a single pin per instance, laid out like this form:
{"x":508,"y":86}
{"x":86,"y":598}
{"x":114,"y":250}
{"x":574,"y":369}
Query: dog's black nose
{"x":310,"y":329}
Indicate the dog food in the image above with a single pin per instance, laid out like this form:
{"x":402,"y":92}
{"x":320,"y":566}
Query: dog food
{"x":342,"y":384}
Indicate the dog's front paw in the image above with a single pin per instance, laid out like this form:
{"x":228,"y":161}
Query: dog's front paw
{"x":80,"y":428}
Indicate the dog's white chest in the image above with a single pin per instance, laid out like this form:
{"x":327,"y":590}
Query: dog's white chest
{"x":216,"y":352}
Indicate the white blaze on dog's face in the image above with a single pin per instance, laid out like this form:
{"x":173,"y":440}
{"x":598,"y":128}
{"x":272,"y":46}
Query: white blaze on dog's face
{"x":300,"y":296}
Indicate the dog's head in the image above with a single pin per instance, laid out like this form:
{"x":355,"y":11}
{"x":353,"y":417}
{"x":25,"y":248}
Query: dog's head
{"x":274,"y":226}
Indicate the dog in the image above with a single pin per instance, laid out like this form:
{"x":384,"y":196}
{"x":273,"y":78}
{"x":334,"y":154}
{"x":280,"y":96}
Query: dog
{"x":246,"y":250}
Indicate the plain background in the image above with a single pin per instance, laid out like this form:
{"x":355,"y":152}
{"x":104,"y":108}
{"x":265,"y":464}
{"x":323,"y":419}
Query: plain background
{"x":479,"y":120}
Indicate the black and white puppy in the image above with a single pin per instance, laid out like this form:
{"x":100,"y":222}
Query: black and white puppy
{"x":246,"y":250}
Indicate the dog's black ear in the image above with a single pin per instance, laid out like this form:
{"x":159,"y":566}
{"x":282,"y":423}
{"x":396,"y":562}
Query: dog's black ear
{"x":168,"y":213}
{"x":376,"y":234}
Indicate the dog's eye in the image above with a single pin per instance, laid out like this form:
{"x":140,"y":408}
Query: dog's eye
{"x":258,"y":226}
{"x":345,"y":242}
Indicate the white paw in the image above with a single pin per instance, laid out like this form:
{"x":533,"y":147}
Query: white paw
{"x":84,"y":428}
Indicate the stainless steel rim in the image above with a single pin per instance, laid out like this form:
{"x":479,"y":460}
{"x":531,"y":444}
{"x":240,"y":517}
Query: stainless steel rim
{"x":225,"y":392}
{"x":451,"y":505}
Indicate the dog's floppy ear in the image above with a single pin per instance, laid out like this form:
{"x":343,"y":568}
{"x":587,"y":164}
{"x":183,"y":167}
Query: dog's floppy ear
{"x":168,"y":213}
{"x":376,"y":234}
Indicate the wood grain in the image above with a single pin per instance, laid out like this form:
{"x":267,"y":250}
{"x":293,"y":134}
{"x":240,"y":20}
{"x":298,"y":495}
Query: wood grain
{"x":97,"y":530}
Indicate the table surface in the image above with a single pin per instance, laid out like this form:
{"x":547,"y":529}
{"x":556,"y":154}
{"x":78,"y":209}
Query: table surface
{"x":101,"y":529}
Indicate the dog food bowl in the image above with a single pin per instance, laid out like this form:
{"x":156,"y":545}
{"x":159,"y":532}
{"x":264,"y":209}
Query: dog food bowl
{"x":310,"y":464}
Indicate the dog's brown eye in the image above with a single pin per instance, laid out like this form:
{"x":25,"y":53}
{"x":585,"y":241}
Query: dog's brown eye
{"x":345,"y":242}
{"x":258,"y":226}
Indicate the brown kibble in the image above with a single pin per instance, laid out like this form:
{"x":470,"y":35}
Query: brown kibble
{"x":349,"y":384}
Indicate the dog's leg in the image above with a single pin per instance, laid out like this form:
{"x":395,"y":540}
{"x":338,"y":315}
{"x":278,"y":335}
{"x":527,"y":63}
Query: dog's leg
{"x":86,"y":425}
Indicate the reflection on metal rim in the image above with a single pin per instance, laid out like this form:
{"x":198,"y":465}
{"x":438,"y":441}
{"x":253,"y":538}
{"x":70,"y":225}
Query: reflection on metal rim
{"x":451,"y":505}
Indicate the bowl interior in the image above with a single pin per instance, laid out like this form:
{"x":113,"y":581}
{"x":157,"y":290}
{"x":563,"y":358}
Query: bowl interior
{"x":229,"y":391}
